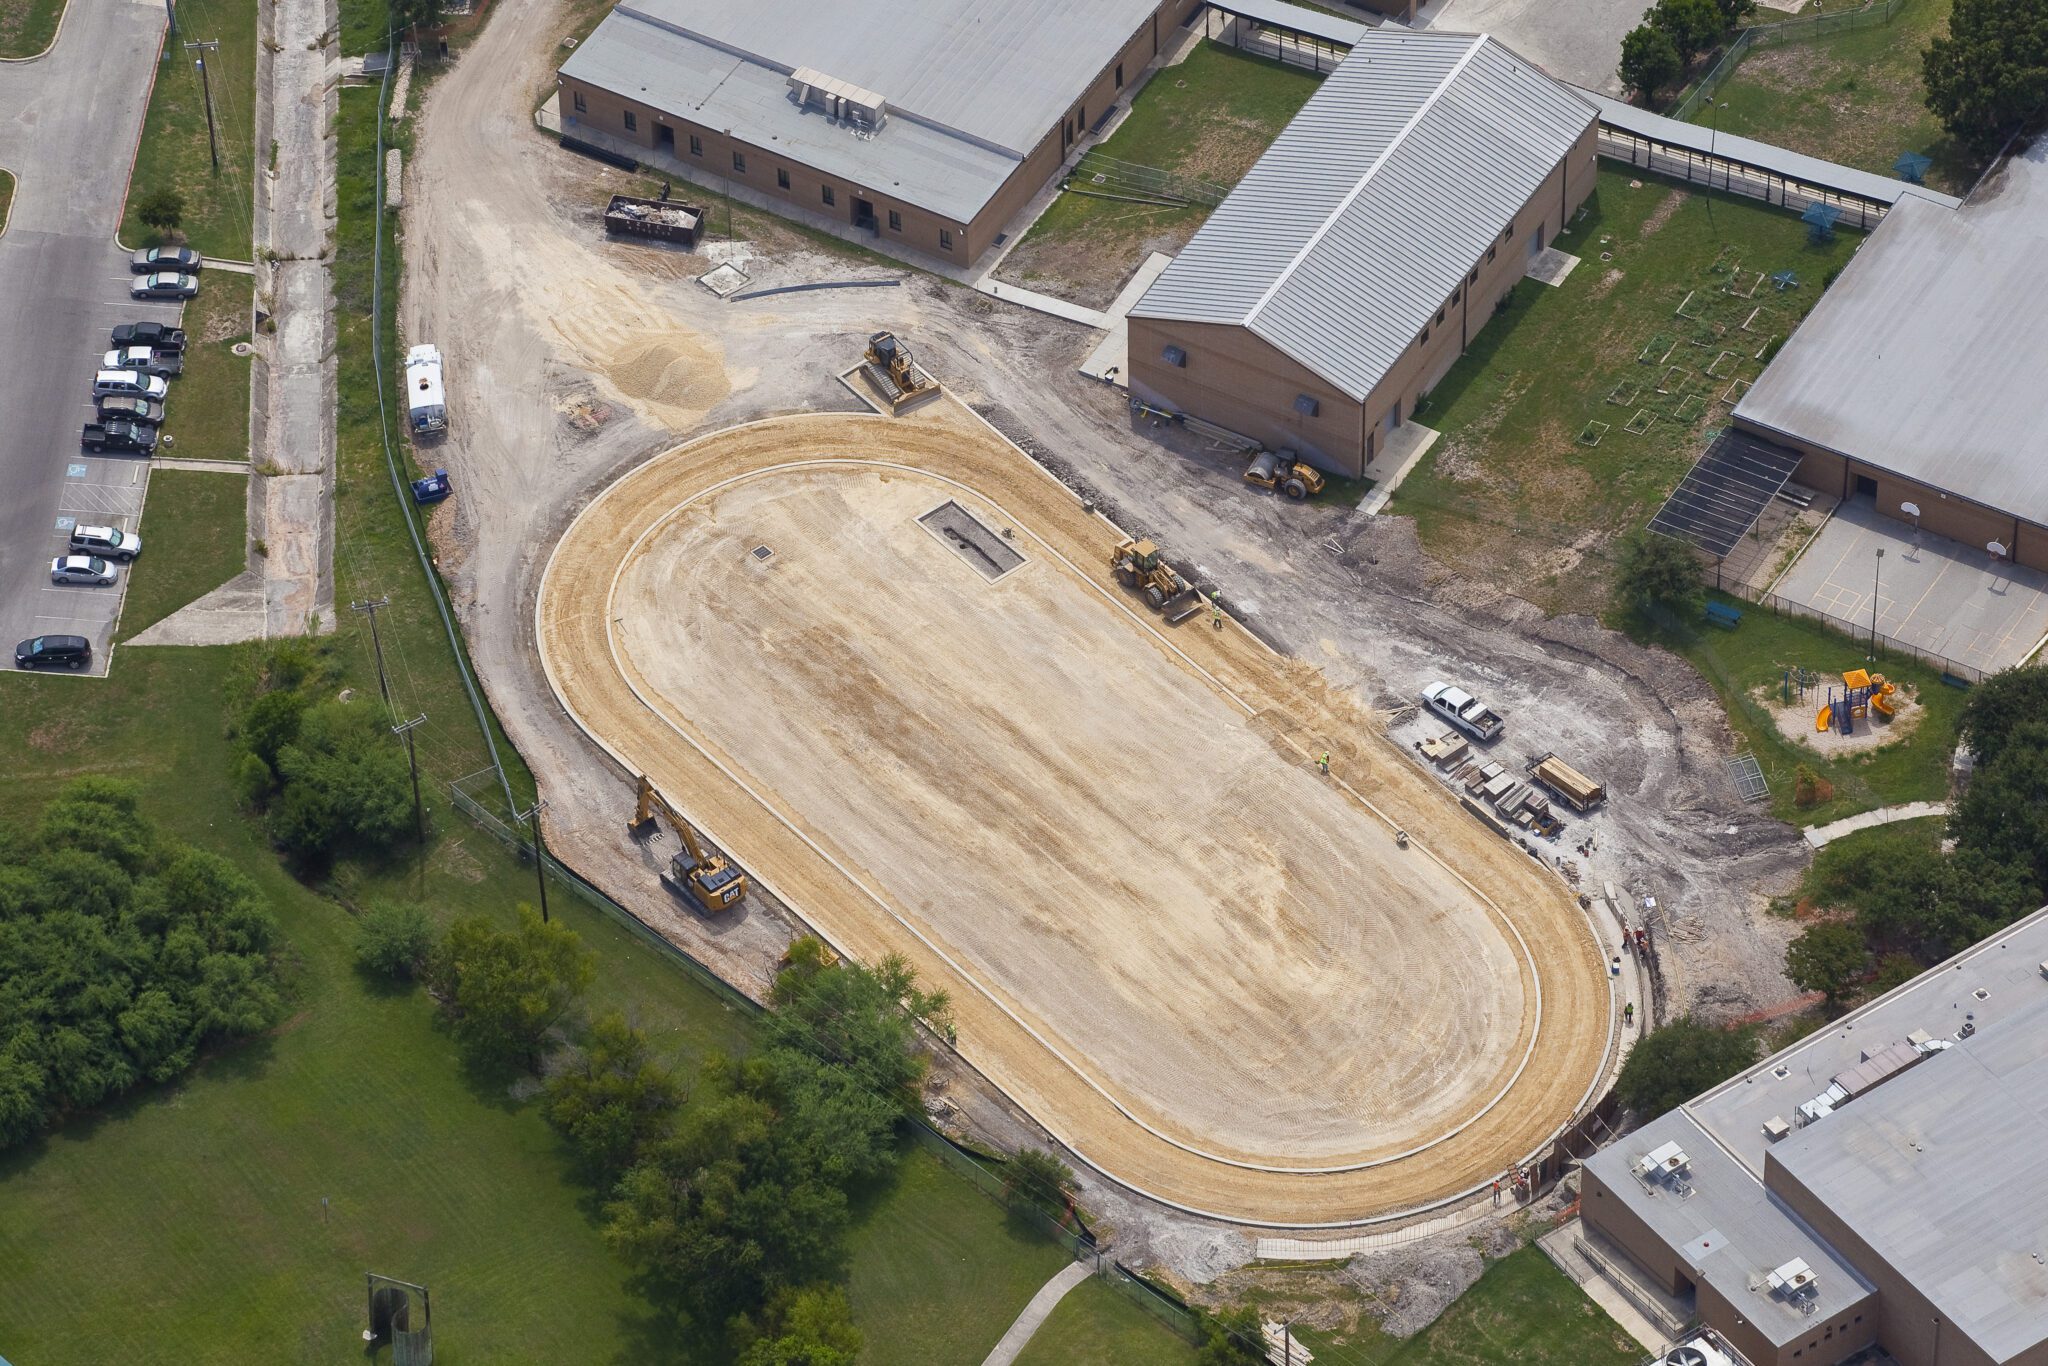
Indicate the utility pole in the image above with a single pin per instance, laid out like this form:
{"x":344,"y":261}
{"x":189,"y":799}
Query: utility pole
{"x":540,"y":864}
{"x":1876,"y":580}
{"x":369,"y":608}
{"x":404,"y":731}
{"x":205,"y":84}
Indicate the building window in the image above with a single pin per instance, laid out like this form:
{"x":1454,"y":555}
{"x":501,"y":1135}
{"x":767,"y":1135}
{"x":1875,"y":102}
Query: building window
{"x":632,"y":121}
{"x":1175,"y":357}
{"x":1508,"y":233}
{"x":739,"y":162}
{"x":1489,"y":253}
{"x":1439,"y":317}
{"x":1473,"y":278}
{"x":1423,"y":340}
{"x":696,"y":145}
{"x":1306,"y":405}
{"x":945,"y":239}
{"x":581,"y":107}
{"x":1456,"y":295}
{"x":831,"y":195}
{"x":781,"y":178}
{"x":1119,"y":75}
{"x":895,"y":221}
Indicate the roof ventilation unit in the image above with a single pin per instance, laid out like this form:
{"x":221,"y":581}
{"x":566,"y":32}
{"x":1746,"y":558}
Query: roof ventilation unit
{"x":1795,"y":1283}
{"x":839,"y":99}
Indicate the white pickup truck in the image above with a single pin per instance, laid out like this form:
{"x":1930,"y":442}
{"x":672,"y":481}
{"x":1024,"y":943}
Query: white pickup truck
{"x":1463,"y":710}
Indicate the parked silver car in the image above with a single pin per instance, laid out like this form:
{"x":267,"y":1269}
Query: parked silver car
{"x":110,"y":542}
{"x":86,"y":569}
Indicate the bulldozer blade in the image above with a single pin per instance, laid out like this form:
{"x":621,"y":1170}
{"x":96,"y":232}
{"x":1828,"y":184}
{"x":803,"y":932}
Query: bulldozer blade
{"x":1181,"y":606}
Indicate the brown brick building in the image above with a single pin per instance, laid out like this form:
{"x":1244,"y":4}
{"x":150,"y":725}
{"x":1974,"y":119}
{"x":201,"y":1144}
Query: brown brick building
{"x":929,"y":126}
{"x":1354,"y":264}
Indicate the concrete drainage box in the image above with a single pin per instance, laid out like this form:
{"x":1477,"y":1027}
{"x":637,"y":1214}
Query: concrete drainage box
{"x":972,"y":540}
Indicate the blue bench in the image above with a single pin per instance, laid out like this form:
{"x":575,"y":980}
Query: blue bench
{"x":1721,"y":614}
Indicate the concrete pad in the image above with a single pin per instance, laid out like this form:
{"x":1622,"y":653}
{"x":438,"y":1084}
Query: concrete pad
{"x":1933,"y":594}
{"x":1110,"y":360}
{"x":1579,"y":42}
{"x":1402,"y":453}
{"x":1552,"y":267}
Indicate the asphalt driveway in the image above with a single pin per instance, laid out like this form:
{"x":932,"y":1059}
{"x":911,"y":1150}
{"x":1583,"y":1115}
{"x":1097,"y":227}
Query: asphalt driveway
{"x":68,"y":125}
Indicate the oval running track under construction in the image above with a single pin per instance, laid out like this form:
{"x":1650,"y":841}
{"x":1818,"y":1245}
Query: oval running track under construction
{"x":883,"y":664}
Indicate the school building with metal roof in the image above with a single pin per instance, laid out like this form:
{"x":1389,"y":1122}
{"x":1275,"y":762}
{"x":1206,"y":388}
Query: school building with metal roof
{"x":1881,"y":1183}
{"x":929,"y":125}
{"x":1917,"y":379}
{"x":1354,"y":263}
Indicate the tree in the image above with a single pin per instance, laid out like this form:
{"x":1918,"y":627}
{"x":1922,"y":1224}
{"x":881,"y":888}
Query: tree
{"x":1989,"y":74}
{"x":344,"y":781}
{"x":1694,"y":25}
{"x":1654,"y":572}
{"x":1673,"y":1064}
{"x":1828,"y":958}
{"x":415,"y":14}
{"x":808,"y":1327}
{"x":1649,"y":61}
{"x":1231,"y":1337}
{"x":1035,"y":1179}
{"x":1734,"y":12}
{"x":611,"y":1100}
{"x":393,"y":939}
{"x":1894,"y":970}
{"x":1999,"y":815}
{"x":1999,"y":706}
{"x":508,"y":988}
{"x":162,"y":208}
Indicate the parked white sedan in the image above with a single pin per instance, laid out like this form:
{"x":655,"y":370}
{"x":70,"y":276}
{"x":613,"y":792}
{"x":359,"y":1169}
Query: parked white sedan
{"x":86,"y":569}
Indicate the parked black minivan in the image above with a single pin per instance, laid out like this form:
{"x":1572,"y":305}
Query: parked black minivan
{"x":51,"y":652}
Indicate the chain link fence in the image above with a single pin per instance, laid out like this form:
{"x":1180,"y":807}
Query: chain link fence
{"x":1806,"y":28}
{"x":1883,"y":644}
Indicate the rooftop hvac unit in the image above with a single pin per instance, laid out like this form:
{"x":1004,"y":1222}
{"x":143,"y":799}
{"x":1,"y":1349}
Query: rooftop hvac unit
{"x":1668,"y":1160}
{"x":1697,"y":1353}
{"x":839,"y":99}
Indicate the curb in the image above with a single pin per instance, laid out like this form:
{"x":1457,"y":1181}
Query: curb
{"x":8,"y":216}
{"x":50,"y":46}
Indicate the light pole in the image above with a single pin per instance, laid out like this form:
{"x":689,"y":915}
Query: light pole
{"x":1876,"y":578}
{"x":1713,"y":142}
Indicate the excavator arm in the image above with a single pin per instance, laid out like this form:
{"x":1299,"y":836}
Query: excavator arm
{"x":709,"y":878}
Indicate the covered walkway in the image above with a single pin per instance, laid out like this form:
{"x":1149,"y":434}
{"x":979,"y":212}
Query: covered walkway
{"x":1290,"y":33}
{"x":1700,"y":155}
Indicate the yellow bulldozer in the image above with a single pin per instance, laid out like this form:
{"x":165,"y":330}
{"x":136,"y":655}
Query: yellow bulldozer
{"x":1137,"y":564}
{"x":894,"y":374}
{"x":697,"y":871}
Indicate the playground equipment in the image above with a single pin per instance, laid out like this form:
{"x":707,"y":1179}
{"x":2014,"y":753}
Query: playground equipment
{"x":1863,"y":693}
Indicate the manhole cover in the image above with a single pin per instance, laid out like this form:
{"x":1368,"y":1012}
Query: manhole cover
{"x":241,"y":348}
{"x":723,"y":280}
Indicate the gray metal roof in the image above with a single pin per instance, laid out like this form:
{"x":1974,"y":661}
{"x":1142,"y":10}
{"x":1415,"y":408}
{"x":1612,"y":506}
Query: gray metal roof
{"x":1295,"y":19}
{"x":1943,"y":1172}
{"x":1728,"y":1228}
{"x":1352,"y":230}
{"x":947,"y":174}
{"x":2005,"y":967}
{"x":1763,"y":155}
{"x":1926,"y":357}
{"x":1002,"y":72}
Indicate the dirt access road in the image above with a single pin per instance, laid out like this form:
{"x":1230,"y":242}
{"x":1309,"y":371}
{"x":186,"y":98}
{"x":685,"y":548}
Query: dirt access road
{"x":535,"y":354}
{"x":1205,"y":966}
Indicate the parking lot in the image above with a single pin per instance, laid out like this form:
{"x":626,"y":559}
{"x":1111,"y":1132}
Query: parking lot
{"x":1933,"y":594}
{"x":63,"y":287}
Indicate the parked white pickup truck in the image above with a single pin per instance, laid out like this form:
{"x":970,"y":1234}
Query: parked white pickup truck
{"x":1463,"y":710}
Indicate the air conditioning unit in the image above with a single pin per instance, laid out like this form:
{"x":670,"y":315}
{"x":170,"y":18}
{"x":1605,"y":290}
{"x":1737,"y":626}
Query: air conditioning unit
{"x":1696,"y":1353}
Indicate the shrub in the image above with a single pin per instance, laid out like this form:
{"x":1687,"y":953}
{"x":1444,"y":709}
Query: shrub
{"x":162,"y":208}
{"x":393,"y":939}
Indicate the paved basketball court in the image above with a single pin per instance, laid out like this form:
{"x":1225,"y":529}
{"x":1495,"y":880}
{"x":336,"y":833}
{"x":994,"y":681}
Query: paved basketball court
{"x":1934,"y":594}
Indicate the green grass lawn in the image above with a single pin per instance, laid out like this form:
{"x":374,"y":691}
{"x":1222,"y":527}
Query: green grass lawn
{"x":1208,"y":119}
{"x":207,"y":415}
{"x":1852,"y":97}
{"x":219,"y":206}
{"x":27,"y":26}
{"x":1512,"y":493}
{"x":6,"y":197}
{"x":1523,"y":1310}
{"x":1097,"y":1326}
{"x":940,"y":1270}
{"x":195,"y":532}
{"x":1753,"y":657}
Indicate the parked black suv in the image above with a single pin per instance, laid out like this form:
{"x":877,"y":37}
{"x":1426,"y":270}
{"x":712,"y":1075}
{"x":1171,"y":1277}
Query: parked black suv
{"x":118,"y":436}
{"x":51,"y":652}
{"x":156,"y":336}
{"x":131,"y":408}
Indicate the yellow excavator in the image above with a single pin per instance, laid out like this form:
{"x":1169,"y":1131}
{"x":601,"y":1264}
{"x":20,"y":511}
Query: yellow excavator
{"x":1137,"y":564}
{"x":899,"y":379}
{"x":704,"y":875}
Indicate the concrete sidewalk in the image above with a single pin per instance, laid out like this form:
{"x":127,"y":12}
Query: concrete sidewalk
{"x":1821,"y":835}
{"x":1042,"y":1304}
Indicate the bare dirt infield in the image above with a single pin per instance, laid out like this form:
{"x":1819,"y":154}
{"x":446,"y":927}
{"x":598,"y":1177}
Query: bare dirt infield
{"x":1205,"y":967}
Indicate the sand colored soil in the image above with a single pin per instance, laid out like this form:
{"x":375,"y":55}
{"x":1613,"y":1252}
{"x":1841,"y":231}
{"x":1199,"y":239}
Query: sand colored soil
{"x":1206,"y":967}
